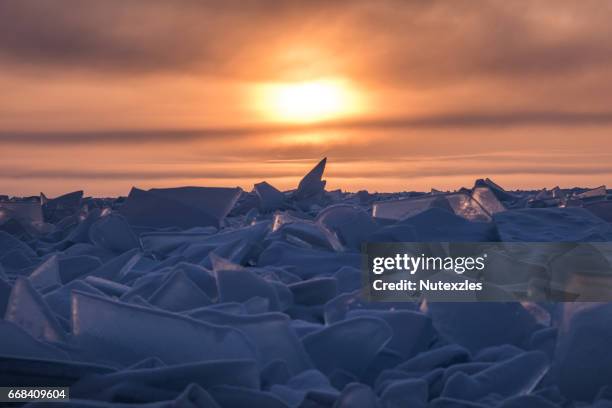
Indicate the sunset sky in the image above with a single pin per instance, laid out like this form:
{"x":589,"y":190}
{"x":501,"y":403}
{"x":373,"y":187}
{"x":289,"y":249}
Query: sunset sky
{"x":399,"y":95}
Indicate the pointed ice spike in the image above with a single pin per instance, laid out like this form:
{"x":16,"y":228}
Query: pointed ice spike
{"x":27,"y":309}
{"x":46,"y":275}
{"x":312,"y":183}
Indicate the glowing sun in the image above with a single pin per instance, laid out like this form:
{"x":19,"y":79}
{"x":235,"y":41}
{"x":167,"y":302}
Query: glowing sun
{"x":308,"y":101}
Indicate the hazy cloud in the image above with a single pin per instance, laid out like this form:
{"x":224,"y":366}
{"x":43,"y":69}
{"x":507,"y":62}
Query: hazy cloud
{"x":407,"y":41}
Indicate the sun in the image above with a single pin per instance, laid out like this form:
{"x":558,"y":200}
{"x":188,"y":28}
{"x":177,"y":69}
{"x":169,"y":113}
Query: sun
{"x":309,"y":101}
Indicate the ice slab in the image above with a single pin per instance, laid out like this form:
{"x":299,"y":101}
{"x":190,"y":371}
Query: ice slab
{"x":240,"y":373}
{"x":225,"y":241}
{"x":46,"y":275}
{"x":593,"y":193}
{"x":337,"y":309}
{"x":439,"y":225}
{"x":441,"y":357}
{"x":163,"y":243}
{"x":8,"y":244}
{"x":357,"y":395}
{"x":408,"y":207}
{"x":55,"y":209}
{"x":149,"y":362}
{"x":316,"y":291}
{"x":108,"y":287}
{"x":146,"y":208}
{"x":23,"y":372}
{"x":406,"y":393}
{"x":362,"y":336}
{"x":216,"y":201}
{"x":81,"y":232}
{"x":242,"y":285}
{"x":412,"y":331}
{"x":126,"y":334}
{"x":271,"y":333}
{"x":74,"y":267}
{"x":602,"y":209}
{"x":459,"y":203}
{"x":302,"y":386}
{"x":18,"y":259}
{"x":202,"y":277}
{"x":112,"y":232}
{"x":510,"y":378}
{"x":27,"y":309}
{"x":118,"y":266}
{"x":496,"y":189}
{"x":5,"y":292}
{"x":348,"y":279}
{"x":487,"y":200}
{"x":531,"y":401}
{"x":304,"y":233}
{"x":552,"y":225}
{"x":583,"y":362}
{"x":16,"y":342}
{"x":59,"y":300}
{"x":241,"y":397}
{"x":351,"y":224}
{"x":497,"y":353}
{"x":269,"y":198}
{"x":179,"y":293}
{"x":474,"y":326}
{"x":29,"y":212}
{"x":308,"y":262}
